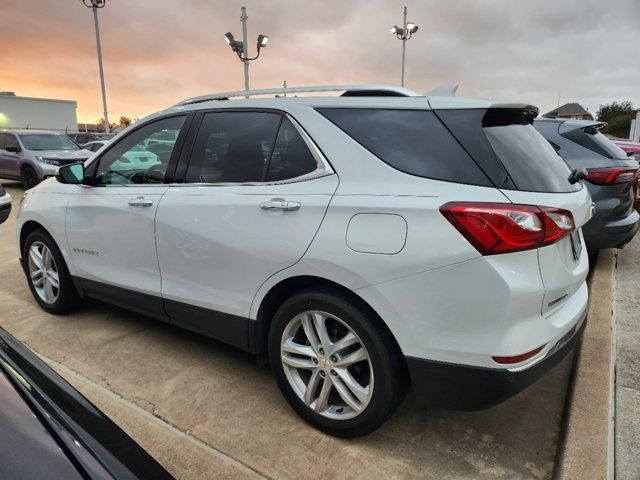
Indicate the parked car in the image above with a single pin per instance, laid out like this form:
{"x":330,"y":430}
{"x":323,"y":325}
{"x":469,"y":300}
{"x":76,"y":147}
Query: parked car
{"x":85,"y":137}
{"x":5,"y":204}
{"x":50,"y":430}
{"x":33,"y":155}
{"x":353,"y":242}
{"x":632,"y":149}
{"x":611,"y":176}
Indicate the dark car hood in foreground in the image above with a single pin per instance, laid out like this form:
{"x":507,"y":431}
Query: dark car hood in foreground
{"x":49,"y":430}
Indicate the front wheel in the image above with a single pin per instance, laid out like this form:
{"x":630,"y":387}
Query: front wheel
{"x":335,"y":365}
{"x":47,"y":274}
{"x":29,"y":178}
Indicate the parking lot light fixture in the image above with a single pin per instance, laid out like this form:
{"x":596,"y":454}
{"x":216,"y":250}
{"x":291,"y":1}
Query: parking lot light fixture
{"x":241,"y":49}
{"x":404,"y":33}
{"x":95,"y":5}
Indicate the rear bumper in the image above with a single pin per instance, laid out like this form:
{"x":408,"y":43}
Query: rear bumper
{"x":5,"y":207}
{"x":614,"y":234}
{"x":461,"y":387}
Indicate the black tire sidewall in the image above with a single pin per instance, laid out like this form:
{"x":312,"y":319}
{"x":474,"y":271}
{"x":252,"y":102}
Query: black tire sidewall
{"x":29,"y":173}
{"x":389,"y":376}
{"x":67,"y":295}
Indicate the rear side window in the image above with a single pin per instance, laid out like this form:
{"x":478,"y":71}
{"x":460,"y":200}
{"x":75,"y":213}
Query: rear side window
{"x":412,"y":141}
{"x":291,"y":157}
{"x":591,"y":139}
{"x":233,"y":147}
{"x":514,"y":153}
{"x":531,"y":161}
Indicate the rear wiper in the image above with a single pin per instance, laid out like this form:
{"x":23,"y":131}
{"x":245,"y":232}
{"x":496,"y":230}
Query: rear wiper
{"x":577,"y":175}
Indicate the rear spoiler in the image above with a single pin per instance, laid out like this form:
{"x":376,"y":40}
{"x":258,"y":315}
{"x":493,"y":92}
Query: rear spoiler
{"x":573,"y":125}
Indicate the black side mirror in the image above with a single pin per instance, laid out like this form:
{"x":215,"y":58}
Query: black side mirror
{"x":577,"y":175}
{"x":630,"y":154}
{"x":13,"y":148}
{"x":72,"y":174}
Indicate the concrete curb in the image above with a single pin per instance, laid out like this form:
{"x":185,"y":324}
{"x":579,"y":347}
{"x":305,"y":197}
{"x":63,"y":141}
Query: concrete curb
{"x":587,"y":447}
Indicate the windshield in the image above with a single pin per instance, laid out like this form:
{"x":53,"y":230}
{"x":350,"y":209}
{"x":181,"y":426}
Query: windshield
{"x":46,"y":141}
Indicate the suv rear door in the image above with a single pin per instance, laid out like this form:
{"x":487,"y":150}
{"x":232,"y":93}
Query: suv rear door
{"x":254,"y":195}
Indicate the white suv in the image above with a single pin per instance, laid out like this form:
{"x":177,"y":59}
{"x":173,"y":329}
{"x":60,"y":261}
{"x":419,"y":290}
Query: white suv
{"x":357,"y":242}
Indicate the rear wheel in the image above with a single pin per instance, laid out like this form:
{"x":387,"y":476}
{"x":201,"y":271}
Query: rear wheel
{"x":29,"y":178}
{"x":47,"y":274}
{"x":334,"y":364}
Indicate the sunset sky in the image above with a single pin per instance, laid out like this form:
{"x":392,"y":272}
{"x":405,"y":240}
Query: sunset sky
{"x":157,"y":52}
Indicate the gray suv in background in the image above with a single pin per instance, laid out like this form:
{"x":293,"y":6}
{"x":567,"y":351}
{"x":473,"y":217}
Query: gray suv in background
{"x":610,"y":177}
{"x":30,"y":156}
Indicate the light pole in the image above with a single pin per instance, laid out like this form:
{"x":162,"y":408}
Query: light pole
{"x":404,"y":33}
{"x":242,"y":48}
{"x":95,"y":5}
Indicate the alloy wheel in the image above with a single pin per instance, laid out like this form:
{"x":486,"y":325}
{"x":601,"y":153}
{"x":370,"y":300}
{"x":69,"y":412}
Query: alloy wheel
{"x":43,"y":272}
{"x":327,"y":365}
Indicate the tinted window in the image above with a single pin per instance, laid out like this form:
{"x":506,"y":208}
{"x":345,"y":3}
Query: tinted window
{"x":593,"y":140}
{"x":138,"y":157}
{"x":291,"y":157}
{"x":513,"y":153}
{"x":2,"y":135}
{"x":45,"y":141}
{"x":412,"y":141}
{"x":233,"y":147}
{"x":10,"y":141}
{"x":531,"y":161}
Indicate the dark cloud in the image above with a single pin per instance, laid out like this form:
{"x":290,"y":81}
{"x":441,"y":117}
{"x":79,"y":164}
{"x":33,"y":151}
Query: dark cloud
{"x":158,"y":51}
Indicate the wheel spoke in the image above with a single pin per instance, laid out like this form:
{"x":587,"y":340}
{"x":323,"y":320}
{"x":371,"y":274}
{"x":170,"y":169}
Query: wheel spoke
{"x":290,"y":346}
{"x":358,"y":391}
{"x":36,"y":257}
{"x":37,"y":278}
{"x":345,"y":342}
{"x":54,"y":279}
{"x":321,"y":328}
{"x":297,"y":362}
{"x":345,"y":394}
{"x":46,"y":257}
{"x":48,"y":291}
{"x":323,"y":398}
{"x":356,"y":356}
{"x":310,"y":332}
{"x":312,"y":386}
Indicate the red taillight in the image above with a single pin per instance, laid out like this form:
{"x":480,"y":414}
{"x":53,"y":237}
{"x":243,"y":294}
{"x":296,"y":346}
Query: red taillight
{"x":494,"y":228}
{"x":611,"y":176}
{"x":519,"y":358}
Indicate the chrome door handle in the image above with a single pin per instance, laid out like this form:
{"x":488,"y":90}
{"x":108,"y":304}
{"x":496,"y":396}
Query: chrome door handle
{"x":140,"y":202}
{"x":280,"y":204}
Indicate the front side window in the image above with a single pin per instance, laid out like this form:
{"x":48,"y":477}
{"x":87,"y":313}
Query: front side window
{"x":139,"y":158}
{"x":10,"y":141}
{"x":45,"y":141}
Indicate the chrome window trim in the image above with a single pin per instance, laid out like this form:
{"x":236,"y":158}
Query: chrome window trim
{"x":323,"y":168}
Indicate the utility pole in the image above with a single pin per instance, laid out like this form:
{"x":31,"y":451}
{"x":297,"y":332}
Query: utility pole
{"x":245,"y":48}
{"x":242,"y":48}
{"x":95,"y":5}
{"x":404,"y":45}
{"x":404,"y":33}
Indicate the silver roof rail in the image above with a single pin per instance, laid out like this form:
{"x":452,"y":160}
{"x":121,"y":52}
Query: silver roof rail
{"x":350,"y":90}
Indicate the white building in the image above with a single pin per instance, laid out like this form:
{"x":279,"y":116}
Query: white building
{"x":37,"y":113}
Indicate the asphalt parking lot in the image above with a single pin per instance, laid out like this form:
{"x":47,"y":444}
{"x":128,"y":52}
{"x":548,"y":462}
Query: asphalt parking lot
{"x":205,"y":410}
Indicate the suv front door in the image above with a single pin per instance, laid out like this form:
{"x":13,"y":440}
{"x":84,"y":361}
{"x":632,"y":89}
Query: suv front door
{"x":111,"y":222}
{"x":255,"y":193}
{"x":9,"y":161}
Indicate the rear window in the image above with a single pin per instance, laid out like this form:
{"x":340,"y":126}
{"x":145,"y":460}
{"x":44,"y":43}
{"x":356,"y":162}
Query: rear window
{"x":505,"y":143}
{"x":590,"y":138}
{"x":412,"y":141}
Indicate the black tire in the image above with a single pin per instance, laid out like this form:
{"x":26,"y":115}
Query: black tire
{"x":29,"y":178}
{"x":389,"y":369}
{"x":68,"y":297}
